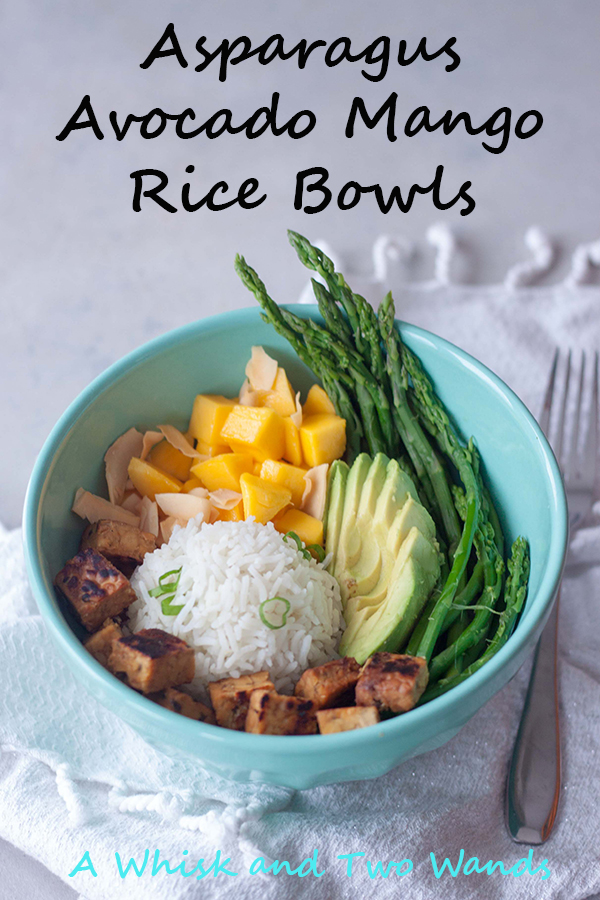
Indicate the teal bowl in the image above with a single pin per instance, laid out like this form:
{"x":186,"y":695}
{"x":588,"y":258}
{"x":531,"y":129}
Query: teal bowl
{"x":157,"y":383}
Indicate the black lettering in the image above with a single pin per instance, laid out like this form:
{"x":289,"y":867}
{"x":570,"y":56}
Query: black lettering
{"x":389,"y":107}
{"x":225,"y":50}
{"x":73,"y":124}
{"x":539,"y":121}
{"x":174,"y":50}
{"x":421,"y":50}
{"x":152,"y":193}
{"x":303,"y":49}
{"x":344,"y":43}
{"x":247,"y":188}
{"x":350,"y":186}
{"x":318,"y":186}
{"x":186,"y":114}
{"x":121,"y":132}
{"x":383,"y":57}
{"x":447,"y":48}
{"x":162,"y":117}
{"x":262,"y":52}
{"x":418,"y":119}
{"x":504,"y":115}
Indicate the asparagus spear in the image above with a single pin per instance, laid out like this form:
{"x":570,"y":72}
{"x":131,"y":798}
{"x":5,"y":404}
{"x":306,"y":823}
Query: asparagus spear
{"x":516,"y":591}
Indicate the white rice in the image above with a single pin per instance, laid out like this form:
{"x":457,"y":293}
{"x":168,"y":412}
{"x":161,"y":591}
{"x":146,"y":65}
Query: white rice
{"x":228,"y":570}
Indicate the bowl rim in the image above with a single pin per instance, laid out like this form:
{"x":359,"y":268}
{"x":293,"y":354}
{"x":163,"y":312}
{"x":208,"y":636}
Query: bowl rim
{"x":178,"y":727}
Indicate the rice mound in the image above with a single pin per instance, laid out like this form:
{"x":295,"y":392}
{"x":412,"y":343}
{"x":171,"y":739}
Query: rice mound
{"x":228,"y":570}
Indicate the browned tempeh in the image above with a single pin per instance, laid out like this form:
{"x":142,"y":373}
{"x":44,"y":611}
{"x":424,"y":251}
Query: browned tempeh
{"x":392,"y":681}
{"x":95,"y":588}
{"x":325,"y":684}
{"x":272,"y":713}
{"x":346,"y":718}
{"x":230,"y":697}
{"x":153,"y":660}
{"x":182,"y":703}
{"x":123,"y":544}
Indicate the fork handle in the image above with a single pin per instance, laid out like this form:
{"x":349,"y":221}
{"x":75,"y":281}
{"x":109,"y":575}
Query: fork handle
{"x":533,"y":786}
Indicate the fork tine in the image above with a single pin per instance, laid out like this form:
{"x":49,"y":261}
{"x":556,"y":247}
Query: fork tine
{"x":589,"y":452}
{"x":547,"y":404}
{"x":560,"y":435}
{"x":571,"y":467}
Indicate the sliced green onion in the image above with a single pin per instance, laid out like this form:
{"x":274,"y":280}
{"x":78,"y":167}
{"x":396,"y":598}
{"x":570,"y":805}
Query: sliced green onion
{"x":264,"y":619}
{"x":317,"y":550}
{"x":168,"y":609}
{"x":294,"y":537}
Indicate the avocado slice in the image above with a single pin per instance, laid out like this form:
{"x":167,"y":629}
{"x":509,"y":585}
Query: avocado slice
{"x":349,"y":541}
{"x":388,"y":626}
{"x":336,"y":493}
{"x":396,"y":490}
{"x":361,"y":571}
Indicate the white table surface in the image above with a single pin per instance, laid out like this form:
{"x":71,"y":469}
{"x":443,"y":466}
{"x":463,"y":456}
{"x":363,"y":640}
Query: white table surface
{"x":84,"y":279}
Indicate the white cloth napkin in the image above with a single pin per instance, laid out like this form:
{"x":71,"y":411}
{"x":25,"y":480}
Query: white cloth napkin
{"x":75,"y":778}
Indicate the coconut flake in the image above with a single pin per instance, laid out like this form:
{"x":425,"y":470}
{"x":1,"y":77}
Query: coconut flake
{"x":116,"y":460}
{"x":315,"y":492}
{"x":184,"y":506}
{"x":261,"y":371}
{"x":199,"y":492}
{"x":223,"y":498}
{"x":151,"y":438}
{"x":247,"y":396}
{"x":167,"y":526}
{"x":297,"y":416}
{"x":93,"y":508}
{"x":178,"y":440}
{"x":133,"y":503}
{"x":149,"y":516}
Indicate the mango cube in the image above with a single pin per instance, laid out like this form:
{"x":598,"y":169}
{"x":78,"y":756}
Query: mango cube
{"x":282,"y":473}
{"x":191,"y":483}
{"x":281,"y":398}
{"x":209,"y":414}
{"x":323,"y":438}
{"x":231,"y":515}
{"x":255,"y":430}
{"x":211,"y":449}
{"x":149,"y":480}
{"x":263,"y":499}
{"x":293,"y":448}
{"x":308,"y":529}
{"x":317,"y":402}
{"x":223,"y":471}
{"x":170,"y":460}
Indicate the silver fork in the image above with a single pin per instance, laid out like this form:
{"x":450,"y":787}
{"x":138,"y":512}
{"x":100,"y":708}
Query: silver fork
{"x":534,"y":778}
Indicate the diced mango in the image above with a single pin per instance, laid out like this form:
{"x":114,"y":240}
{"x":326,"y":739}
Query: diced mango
{"x":323,"y":438}
{"x":262,"y":499}
{"x":282,"y":473}
{"x":282,"y":398}
{"x":149,"y":480}
{"x":231,"y":515}
{"x":308,"y":529}
{"x":257,"y":467}
{"x":192,"y":483}
{"x":209,"y":414}
{"x":318,"y":402}
{"x":170,"y":460}
{"x":255,"y":430}
{"x":212,"y":449}
{"x":223,"y":471}
{"x":293,"y":448}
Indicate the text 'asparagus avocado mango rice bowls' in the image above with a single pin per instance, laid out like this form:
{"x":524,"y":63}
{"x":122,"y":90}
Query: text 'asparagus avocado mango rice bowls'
{"x":286,"y":562}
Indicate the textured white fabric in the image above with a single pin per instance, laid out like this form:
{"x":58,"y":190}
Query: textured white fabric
{"x":74,"y":777}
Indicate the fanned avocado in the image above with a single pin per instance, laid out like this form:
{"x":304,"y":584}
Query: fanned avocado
{"x":332,"y":519}
{"x":385,"y":554}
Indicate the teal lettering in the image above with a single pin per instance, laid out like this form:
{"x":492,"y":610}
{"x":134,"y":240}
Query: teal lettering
{"x":312,"y":866}
{"x":262,"y":867}
{"x":157,"y":866}
{"x":350,"y":859}
{"x":491,"y":866}
{"x":392,"y":865}
{"x":88,"y":867}
{"x":132,"y":865}
{"x":439,"y":872}
{"x":278,"y":866}
{"x":218,"y":867}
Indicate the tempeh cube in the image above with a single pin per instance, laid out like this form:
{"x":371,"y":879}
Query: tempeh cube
{"x":182,"y":703}
{"x":230,"y":697}
{"x":100,"y":643}
{"x":272,"y":713}
{"x":95,"y":588}
{"x":153,"y":660}
{"x":325,"y":684}
{"x":346,"y":718}
{"x":392,"y":681}
{"x":123,"y":544}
